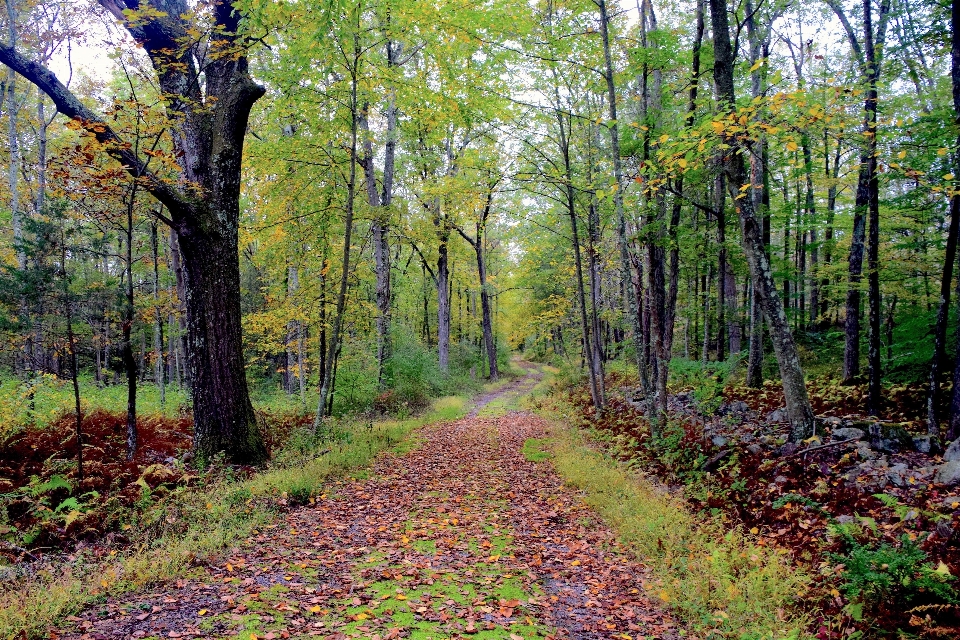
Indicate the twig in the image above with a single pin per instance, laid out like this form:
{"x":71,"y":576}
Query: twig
{"x":20,"y":550}
{"x":822,"y":446}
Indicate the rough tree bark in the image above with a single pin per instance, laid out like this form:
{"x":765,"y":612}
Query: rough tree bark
{"x":794,"y":387}
{"x":207,"y":119}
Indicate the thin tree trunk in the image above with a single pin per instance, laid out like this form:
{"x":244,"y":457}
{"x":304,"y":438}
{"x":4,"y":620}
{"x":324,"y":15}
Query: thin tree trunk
{"x":158,"y":364}
{"x":794,"y":388}
{"x":129,"y":364}
{"x":629,"y":294}
{"x":954,"y":426}
{"x":328,"y":374}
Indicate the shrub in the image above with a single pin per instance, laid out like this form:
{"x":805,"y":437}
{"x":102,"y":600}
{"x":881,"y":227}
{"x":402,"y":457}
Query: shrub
{"x":887,"y":574}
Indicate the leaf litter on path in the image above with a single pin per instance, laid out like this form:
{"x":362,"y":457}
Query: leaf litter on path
{"x":463,"y":537}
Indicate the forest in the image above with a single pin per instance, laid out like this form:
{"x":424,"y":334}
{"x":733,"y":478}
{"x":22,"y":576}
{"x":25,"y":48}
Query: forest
{"x":504,"y":319}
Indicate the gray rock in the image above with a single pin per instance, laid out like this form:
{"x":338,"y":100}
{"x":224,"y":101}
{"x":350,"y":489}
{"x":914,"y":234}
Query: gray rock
{"x":865,"y":452}
{"x":944,"y":529}
{"x":719,"y":441}
{"x":747,"y":438}
{"x":832,"y":421}
{"x":952,"y":503}
{"x":890,"y":438}
{"x":848,"y":433}
{"x":780,"y":480}
{"x":952,"y":453}
{"x":924,"y":444}
{"x":897,"y":474}
{"x":755,"y":449}
{"x":788,"y":449}
{"x":778,"y":415}
{"x":948,"y":473}
{"x":845,"y":519}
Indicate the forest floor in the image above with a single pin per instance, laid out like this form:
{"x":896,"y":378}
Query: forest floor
{"x":470,"y":534}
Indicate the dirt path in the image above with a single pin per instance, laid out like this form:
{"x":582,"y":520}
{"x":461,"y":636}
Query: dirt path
{"x":464,"y":537}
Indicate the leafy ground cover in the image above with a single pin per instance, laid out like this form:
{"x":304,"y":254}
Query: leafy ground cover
{"x":470,"y":534}
{"x":871,"y":521}
{"x":171,"y":531}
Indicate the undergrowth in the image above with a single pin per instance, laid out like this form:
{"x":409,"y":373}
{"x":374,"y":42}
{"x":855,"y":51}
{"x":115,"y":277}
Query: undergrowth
{"x":718,"y":580}
{"x":190,"y":527}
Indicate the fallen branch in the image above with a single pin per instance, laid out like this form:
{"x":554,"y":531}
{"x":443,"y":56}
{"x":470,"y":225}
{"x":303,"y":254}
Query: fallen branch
{"x":822,"y":446}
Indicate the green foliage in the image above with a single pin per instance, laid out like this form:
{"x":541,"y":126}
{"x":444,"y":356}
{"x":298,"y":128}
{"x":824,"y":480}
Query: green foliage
{"x":885,"y":574}
{"x":707,"y":380}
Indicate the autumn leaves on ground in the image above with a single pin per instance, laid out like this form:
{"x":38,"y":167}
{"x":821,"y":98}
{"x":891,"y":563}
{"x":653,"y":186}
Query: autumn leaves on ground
{"x":469,"y":534}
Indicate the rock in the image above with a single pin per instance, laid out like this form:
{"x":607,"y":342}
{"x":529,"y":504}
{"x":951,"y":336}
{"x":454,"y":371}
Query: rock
{"x":778,"y":415}
{"x":896,"y":474}
{"x":944,"y":529}
{"x":848,"y":433}
{"x":924,"y":444}
{"x":845,"y":519}
{"x":755,"y":449}
{"x":952,"y":503}
{"x":832,"y":421}
{"x":780,"y":480}
{"x":948,"y":473}
{"x":788,"y":449}
{"x":768,"y":440}
{"x":719,"y":441}
{"x":952,"y":454}
{"x":747,"y":438}
{"x":736,"y":409}
{"x":890,"y":438}
{"x":864,"y":452}
{"x":157,"y":474}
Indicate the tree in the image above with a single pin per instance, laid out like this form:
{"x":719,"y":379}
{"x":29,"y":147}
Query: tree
{"x":794,"y":386}
{"x":208,"y":94}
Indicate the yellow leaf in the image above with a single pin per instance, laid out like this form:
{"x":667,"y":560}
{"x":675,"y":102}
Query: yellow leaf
{"x":575,"y":563}
{"x":942,"y":151}
{"x":315,"y":609}
{"x":400,"y":596}
{"x":791,"y":146}
{"x":942,"y":569}
{"x":202,"y":612}
{"x":948,"y":176}
{"x":362,"y":616}
{"x":493,"y":558}
{"x":664,"y":596}
{"x":664,"y":138}
{"x":682,"y":162}
{"x":756,"y":65}
{"x":902,"y":155}
{"x":754,"y":531}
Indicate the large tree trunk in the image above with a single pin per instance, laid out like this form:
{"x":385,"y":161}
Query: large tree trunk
{"x":794,"y":388}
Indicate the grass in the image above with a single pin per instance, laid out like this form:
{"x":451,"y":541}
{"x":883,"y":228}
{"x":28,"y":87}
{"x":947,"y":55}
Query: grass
{"x":717,"y":579}
{"x":52,"y":396}
{"x":192,"y":526}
